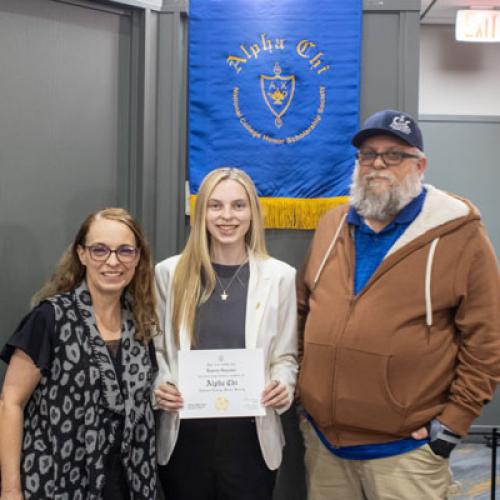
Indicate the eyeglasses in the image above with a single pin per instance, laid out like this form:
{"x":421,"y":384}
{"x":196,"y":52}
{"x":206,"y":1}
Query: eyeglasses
{"x":124,"y":253}
{"x":390,"y":158}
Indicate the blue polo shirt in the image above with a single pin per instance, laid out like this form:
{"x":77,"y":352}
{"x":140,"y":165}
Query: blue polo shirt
{"x":371,"y":248}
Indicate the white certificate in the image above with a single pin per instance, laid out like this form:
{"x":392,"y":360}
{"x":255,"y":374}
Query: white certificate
{"x":221,"y":383}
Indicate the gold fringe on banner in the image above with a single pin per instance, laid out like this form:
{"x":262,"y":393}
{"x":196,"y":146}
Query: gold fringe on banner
{"x":292,"y":213}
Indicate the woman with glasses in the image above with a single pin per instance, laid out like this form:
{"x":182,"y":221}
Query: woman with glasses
{"x":77,"y":422}
{"x":224,"y":292}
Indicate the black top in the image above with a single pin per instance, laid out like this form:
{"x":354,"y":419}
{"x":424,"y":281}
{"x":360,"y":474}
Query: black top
{"x":34,"y":337}
{"x":220,"y":324}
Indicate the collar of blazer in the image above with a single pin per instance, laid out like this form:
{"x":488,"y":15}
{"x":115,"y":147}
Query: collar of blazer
{"x":259,"y":286}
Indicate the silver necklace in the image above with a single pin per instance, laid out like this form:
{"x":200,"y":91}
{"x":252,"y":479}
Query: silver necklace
{"x":224,"y":295}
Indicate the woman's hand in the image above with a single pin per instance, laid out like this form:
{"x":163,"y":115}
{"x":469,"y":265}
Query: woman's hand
{"x":168,"y":398}
{"x":275,"y":395}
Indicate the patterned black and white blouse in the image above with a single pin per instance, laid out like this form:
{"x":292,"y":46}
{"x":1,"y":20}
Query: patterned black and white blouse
{"x":83,"y":413}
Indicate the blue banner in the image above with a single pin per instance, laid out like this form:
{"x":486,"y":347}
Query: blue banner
{"x":274,"y":90}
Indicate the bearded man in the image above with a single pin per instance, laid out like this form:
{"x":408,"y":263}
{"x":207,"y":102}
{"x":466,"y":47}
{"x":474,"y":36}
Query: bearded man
{"x":399,"y":302}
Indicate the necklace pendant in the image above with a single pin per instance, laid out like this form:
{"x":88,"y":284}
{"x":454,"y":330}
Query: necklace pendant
{"x":224,"y":295}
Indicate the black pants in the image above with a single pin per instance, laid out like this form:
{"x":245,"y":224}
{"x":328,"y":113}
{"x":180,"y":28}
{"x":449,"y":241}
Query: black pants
{"x":217,"y":459}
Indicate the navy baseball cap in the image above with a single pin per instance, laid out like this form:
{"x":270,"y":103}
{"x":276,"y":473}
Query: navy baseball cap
{"x":391,"y":122}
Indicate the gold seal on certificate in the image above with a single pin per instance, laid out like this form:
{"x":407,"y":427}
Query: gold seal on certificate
{"x":221,"y":383}
{"x":221,"y":403}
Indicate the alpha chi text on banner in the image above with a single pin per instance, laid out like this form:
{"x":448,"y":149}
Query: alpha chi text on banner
{"x":274,"y":90}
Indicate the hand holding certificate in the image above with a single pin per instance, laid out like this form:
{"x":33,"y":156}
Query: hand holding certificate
{"x":221,"y":383}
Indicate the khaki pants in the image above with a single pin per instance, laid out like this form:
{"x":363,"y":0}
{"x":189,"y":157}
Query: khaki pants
{"x":416,"y":475}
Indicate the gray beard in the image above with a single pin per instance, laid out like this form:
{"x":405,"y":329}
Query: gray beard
{"x":382,"y":206}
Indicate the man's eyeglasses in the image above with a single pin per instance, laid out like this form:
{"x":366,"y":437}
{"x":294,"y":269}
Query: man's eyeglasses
{"x":124,"y":253}
{"x":390,"y":158}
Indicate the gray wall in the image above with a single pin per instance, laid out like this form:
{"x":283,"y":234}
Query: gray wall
{"x":463,"y":158}
{"x":64,"y":135}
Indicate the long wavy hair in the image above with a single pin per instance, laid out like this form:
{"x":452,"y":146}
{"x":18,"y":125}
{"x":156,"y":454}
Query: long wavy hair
{"x":194,"y":277}
{"x":140,"y":291}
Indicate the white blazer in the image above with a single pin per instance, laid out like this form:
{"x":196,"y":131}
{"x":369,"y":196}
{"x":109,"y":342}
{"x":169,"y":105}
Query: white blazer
{"x":271,"y":324}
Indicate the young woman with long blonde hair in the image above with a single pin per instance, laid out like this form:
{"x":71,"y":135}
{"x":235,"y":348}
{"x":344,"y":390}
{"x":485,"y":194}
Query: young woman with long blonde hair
{"x":224,"y":292}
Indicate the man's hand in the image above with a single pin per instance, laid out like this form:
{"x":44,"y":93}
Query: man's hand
{"x":442,"y":440}
{"x":421,"y":433}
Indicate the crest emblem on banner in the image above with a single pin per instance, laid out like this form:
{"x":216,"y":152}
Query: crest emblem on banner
{"x":277,"y":91}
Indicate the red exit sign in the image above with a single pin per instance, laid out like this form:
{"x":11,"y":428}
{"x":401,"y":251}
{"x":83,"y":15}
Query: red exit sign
{"x":477,"y":26}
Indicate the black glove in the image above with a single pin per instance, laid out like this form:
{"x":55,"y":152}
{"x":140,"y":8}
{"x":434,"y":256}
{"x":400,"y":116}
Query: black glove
{"x":441,"y":439}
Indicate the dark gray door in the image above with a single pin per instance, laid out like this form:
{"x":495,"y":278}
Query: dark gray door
{"x":64,"y":93}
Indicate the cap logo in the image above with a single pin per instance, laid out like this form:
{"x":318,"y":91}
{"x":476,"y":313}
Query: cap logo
{"x":401,"y":124}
